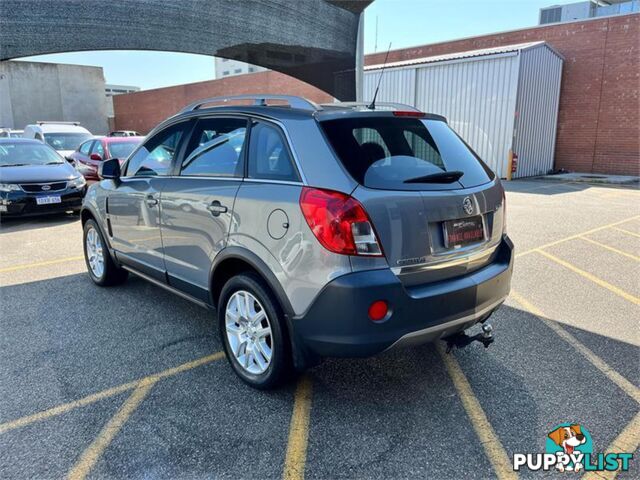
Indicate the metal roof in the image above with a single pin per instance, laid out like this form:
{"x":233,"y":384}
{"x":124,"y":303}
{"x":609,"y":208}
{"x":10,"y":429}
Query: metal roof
{"x":467,"y":54}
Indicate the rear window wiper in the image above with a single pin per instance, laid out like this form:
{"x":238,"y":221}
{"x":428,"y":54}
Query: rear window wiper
{"x":440,"y":177}
{"x":13,"y":165}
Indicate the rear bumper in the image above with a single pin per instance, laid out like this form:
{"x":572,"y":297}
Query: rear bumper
{"x":337,"y":324}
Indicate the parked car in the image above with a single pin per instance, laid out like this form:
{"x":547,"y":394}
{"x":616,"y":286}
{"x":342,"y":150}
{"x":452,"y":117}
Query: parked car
{"x":315,"y":231}
{"x":35,"y":179}
{"x":6,"y":132}
{"x":16,"y":133}
{"x":124,"y":133}
{"x":65,"y":137}
{"x":91,"y":153}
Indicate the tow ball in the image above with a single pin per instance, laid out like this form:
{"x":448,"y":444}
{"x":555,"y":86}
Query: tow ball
{"x":461,"y":339}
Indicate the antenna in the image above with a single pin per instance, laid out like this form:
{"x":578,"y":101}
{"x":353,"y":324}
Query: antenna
{"x":372,"y":106}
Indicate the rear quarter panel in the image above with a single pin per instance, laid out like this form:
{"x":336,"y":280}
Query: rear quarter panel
{"x":301,"y":265}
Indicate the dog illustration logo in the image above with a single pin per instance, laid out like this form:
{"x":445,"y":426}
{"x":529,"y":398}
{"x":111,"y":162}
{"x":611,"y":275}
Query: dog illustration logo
{"x":573,"y":440}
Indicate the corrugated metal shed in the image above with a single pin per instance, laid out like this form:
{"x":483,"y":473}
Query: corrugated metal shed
{"x":497,"y":99}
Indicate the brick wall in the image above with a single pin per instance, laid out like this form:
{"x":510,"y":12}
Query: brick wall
{"x":141,"y":111}
{"x":599,"y":117}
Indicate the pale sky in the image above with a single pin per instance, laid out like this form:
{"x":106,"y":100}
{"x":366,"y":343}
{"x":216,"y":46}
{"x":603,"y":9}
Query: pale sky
{"x":403,"y":22}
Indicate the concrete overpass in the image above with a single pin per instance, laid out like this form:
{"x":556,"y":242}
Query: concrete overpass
{"x":315,"y":41}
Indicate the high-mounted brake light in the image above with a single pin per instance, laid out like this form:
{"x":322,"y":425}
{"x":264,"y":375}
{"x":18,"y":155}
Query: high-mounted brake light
{"x":339,"y":222}
{"x":407,"y":113}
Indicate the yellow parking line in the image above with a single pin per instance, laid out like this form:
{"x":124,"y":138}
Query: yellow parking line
{"x":628,"y":232}
{"x":608,"y":247}
{"x":296,"y":456}
{"x":593,"y":278}
{"x":577,"y":235}
{"x":627,"y":442}
{"x":40,"y":264}
{"x":92,"y":454}
{"x":624,"y":384}
{"x":109,"y":392}
{"x":488,"y":438}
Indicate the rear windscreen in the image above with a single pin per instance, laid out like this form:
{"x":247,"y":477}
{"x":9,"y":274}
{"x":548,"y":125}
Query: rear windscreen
{"x":404,"y":153}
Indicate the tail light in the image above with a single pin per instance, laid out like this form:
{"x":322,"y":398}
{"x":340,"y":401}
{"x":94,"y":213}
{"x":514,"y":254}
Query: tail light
{"x":339,"y":222}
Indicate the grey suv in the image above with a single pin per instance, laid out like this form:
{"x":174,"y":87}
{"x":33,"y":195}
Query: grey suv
{"x":315,"y":231}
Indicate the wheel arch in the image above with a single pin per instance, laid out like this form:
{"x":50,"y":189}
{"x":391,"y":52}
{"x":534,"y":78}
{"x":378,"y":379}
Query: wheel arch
{"x":233,"y":260}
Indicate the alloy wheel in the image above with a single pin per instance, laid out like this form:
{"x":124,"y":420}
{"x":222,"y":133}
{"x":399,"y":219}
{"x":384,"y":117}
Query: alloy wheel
{"x":248,"y":332}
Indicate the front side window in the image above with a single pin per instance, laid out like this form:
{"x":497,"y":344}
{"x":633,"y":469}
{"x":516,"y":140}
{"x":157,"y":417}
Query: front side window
{"x":269,"y":156}
{"x":216,"y":148}
{"x":155,"y":157}
{"x":85,"y":147}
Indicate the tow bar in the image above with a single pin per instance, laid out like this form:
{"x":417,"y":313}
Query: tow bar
{"x":461,"y":339}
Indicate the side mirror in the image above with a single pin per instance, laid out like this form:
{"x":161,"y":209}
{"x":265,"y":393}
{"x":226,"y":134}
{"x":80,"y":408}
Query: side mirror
{"x":109,"y":169}
{"x":95,"y":156}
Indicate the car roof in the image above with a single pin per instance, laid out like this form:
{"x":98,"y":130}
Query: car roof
{"x":129,"y":139}
{"x":58,"y":128}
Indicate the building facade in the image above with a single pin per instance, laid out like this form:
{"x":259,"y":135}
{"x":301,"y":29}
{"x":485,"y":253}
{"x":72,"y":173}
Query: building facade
{"x":228,"y":68}
{"x":587,"y":9}
{"x":33,"y":91}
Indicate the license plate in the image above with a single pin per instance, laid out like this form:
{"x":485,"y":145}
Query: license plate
{"x":48,"y":200}
{"x":463,"y":232}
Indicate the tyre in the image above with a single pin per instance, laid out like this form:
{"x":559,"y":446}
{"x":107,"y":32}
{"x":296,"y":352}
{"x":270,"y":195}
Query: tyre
{"x":252,"y":328}
{"x":102,"y":270}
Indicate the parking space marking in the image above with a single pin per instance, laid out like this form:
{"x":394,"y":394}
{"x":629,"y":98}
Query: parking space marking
{"x":41,"y":264}
{"x":624,"y":384}
{"x":296,"y":456}
{"x":496,"y":453}
{"x":93,"y":452}
{"x":627,"y":442}
{"x":593,"y":278}
{"x":109,"y":392}
{"x":628,"y":232}
{"x":577,"y":235}
{"x":612,"y":249}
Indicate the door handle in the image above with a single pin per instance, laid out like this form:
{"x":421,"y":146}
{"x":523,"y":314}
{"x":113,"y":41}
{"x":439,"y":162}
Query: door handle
{"x":151,"y":201}
{"x":216,"y":208}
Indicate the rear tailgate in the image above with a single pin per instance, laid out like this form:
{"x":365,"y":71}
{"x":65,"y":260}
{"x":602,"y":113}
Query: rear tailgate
{"x":411,"y":229}
{"x":436,"y":207}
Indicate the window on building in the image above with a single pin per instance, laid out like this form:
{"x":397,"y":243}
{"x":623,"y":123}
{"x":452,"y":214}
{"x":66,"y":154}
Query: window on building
{"x":237,"y":70}
{"x":225,"y":73}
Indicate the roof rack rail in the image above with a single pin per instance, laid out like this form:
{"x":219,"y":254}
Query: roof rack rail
{"x":261,"y":100}
{"x":44,"y":122}
{"x":397,"y":106}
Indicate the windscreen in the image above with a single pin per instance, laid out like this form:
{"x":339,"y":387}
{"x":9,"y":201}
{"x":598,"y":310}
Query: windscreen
{"x":18,"y":154}
{"x":122,"y":150}
{"x":66,"y":141}
{"x":394,"y":153}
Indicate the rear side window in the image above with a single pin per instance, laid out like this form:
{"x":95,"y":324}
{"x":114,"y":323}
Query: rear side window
{"x":156,"y":155}
{"x":216,"y":148}
{"x":404,"y":153}
{"x":269,"y":156}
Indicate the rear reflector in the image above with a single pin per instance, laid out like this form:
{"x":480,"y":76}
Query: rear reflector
{"x":378,"y":310}
{"x":339,"y":222}
{"x":407,"y":113}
